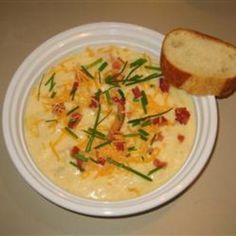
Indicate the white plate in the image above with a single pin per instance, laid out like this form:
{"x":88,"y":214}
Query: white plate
{"x":72,"y":41}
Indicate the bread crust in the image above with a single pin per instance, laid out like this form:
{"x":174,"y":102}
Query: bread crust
{"x":190,"y":82}
{"x":228,"y":88}
{"x":172,"y":74}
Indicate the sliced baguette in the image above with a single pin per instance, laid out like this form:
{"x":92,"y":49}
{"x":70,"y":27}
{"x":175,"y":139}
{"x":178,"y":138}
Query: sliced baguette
{"x":198,"y":63}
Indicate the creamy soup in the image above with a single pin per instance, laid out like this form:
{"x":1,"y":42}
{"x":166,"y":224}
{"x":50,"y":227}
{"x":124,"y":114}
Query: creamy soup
{"x":104,"y":124}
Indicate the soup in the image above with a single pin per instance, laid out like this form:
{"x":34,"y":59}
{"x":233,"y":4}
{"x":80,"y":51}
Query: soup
{"x":103,"y":124}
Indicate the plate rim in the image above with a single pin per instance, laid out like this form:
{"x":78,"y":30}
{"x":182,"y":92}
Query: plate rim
{"x":16,"y":161}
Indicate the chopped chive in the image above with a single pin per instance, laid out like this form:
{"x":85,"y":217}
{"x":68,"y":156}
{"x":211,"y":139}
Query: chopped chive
{"x":72,"y":110}
{"x":98,"y":93}
{"x":108,"y":97}
{"x":125,"y":167}
{"x":135,"y":78}
{"x":83,"y":69}
{"x":134,"y":122}
{"x":122,"y":69}
{"x":39,"y":88}
{"x":143,"y":138}
{"x":103,"y":144}
{"x":52,"y":85}
{"x":144,"y":101}
{"x":95,"y":134}
{"x":147,"y":78}
{"x":99,"y":122}
{"x":135,"y":65}
{"x":102,"y":66}
{"x":50,"y":79}
{"x":92,"y":136}
{"x":153,"y":139}
{"x":98,"y":133}
{"x":110,"y":80}
{"x":78,"y":167}
{"x":72,"y":94}
{"x":143,"y":132}
{"x":144,"y":96}
{"x":99,"y":77}
{"x":81,"y":157}
{"x":71,"y":132}
{"x":130,"y":135}
{"x":96,"y":62}
{"x":154,"y":170}
{"x":74,"y":89}
{"x":93,"y":160}
{"x":52,"y":120}
{"x":109,"y":89}
{"x":138,"y":62}
{"x":135,"y":100}
{"x":153,"y":68}
{"x":121,"y":94}
{"x":73,"y":164}
{"x":132,"y":148}
{"x":53,"y":94}
{"x":139,"y":120}
{"x":146,"y":123}
{"x":51,"y":82}
{"x":130,"y":73}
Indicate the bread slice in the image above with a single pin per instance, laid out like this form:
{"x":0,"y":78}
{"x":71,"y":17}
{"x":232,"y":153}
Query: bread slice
{"x":199,"y":63}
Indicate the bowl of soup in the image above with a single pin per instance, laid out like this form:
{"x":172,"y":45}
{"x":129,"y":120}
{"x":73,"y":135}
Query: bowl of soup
{"x":98,"y":130}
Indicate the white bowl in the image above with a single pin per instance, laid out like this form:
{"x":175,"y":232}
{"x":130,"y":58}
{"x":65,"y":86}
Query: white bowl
{"x":69,"y":42}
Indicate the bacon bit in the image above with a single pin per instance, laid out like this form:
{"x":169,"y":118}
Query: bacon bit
{"x":74,"y":120}
{"x":80,"y":164}
{"x":101,"y":161}
{"x":159,"y":137}
{"x":137,"y":93}
{"x":164,"y":85}
{"x":120,"y":101}
{"x":76,"y":115}
{"x":120,"y":146}
{"x":116,"y":64}
{"x":75,"y":85}
{"x":58,"y":108}
{"x":160,"y":121}
{"x":180,"y":137}
{"x":94,"y":102}
{"x":115,"y":99}
{"x":74,"y":150}
{"x":120,"y":117}
{"x":158,"y":163}
{"x":182,"y":115}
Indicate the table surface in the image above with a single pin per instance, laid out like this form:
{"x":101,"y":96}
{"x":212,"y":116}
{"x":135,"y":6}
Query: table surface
{"x":207,"y":207}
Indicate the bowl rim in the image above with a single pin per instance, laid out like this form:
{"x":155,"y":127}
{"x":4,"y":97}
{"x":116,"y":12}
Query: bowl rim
{"x":87,"y":206}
